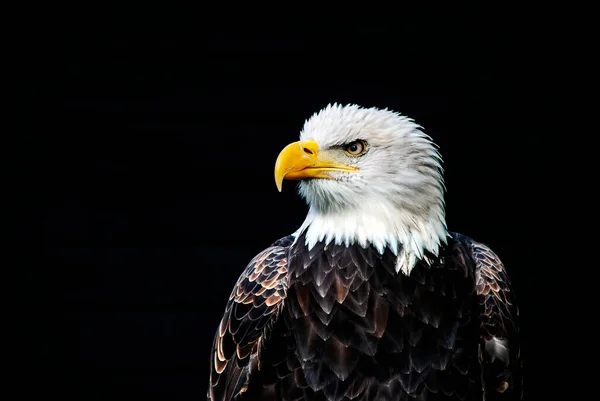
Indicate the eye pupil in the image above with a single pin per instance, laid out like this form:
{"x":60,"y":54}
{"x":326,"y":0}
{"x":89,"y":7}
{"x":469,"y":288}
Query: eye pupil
{"x":353,"y":147}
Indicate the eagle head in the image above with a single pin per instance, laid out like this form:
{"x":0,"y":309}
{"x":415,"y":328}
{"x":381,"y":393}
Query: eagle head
{"x":370,"y":177}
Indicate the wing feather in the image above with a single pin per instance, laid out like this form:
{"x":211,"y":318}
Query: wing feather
{"x":254,"y":302}
{"x":499,"y":355}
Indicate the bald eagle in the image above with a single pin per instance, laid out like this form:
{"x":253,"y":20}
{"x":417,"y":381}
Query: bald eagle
{"x":372,"y":298}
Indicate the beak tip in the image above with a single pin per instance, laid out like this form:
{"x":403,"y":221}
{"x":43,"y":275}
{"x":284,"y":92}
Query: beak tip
{"x":279,"y":183}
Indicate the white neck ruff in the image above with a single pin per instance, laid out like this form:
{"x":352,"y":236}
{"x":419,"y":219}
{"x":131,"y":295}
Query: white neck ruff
{"x":384,"y":226}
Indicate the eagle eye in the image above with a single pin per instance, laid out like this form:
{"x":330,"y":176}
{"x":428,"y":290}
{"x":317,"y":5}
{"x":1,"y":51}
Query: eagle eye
{"x":356,"y":148}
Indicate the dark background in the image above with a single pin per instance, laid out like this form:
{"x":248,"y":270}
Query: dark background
{"x":147,"y":175}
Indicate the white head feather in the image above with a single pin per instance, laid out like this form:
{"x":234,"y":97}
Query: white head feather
{"x":396,"y":198}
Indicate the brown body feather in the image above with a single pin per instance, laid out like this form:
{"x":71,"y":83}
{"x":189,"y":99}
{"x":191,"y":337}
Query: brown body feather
{"x":338,"y":323}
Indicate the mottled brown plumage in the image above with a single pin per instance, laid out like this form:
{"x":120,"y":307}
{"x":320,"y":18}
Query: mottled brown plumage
{"x":339,"y":323}
{"x":252,"y":309}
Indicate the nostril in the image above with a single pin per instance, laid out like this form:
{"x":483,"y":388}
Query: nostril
{"x":307,"y":150}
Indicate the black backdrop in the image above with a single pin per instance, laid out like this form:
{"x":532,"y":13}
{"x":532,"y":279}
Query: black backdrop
{"x":149,"y":174}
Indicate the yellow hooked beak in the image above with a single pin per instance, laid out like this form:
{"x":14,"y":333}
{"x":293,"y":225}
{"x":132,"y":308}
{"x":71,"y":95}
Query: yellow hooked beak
{"x":301,"y":160}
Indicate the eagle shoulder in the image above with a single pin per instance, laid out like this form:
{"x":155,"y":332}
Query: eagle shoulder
{"x":252,"y":309}
{"x":499,"y":349}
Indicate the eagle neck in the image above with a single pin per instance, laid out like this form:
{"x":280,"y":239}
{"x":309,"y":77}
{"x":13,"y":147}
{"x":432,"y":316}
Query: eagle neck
{"x":383,"y":227}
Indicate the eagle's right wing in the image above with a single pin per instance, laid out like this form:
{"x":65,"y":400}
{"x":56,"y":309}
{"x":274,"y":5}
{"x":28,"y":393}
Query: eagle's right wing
{"x":253,"y":307}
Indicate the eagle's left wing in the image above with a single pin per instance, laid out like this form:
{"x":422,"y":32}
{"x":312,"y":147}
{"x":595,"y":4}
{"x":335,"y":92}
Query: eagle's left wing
{"x":253,"y":307}
{"x":499,"y":353}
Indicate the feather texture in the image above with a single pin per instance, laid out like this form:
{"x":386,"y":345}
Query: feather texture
{"x":252,"y":310}
{"x":347,"y":326}
{"x":500,"y":353}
